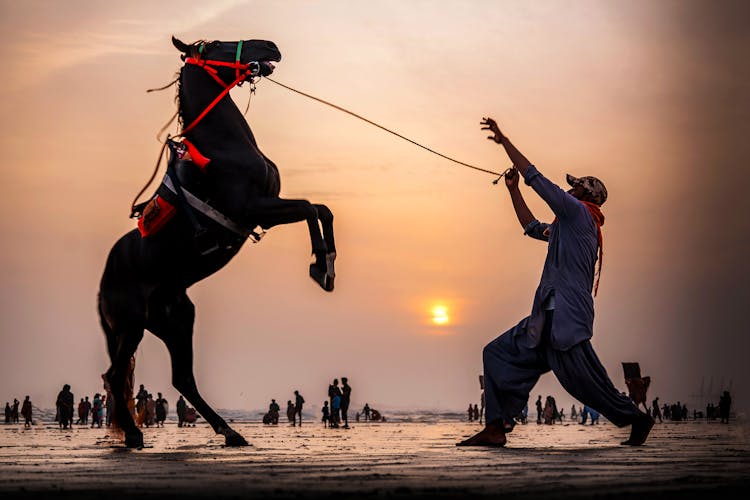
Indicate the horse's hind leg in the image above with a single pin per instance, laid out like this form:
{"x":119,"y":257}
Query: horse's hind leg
{"x":171,"y":318}
{"x":124,"y":330}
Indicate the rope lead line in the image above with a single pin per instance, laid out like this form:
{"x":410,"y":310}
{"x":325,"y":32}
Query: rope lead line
{"x":322,"y":101}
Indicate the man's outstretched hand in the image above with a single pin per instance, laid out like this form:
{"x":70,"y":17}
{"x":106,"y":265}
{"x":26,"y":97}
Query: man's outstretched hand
{"x":491,"y":125}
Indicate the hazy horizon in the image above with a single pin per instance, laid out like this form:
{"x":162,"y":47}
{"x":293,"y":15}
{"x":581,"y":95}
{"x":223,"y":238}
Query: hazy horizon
{"x":650,"y":97}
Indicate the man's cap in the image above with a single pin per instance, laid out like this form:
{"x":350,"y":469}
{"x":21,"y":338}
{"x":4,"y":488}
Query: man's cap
{"x":595,"y":189}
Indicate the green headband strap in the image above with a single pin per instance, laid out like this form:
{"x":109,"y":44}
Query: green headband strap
{"x":239,"y":51}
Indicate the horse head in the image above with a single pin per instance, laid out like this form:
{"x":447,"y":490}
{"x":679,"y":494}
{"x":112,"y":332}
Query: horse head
{"x":264,"y":53}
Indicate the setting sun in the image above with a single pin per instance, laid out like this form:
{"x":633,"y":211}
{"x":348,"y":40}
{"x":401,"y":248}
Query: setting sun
{"x":440,"y":315}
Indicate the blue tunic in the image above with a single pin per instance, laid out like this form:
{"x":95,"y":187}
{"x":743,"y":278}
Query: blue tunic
{"x":568,"y":275}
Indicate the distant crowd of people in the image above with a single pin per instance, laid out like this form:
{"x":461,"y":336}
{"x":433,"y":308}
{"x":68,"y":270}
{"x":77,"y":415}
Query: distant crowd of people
{"x":334,"y":412}
{"x":99,"y":410}
{"x":678,"y":412}
{"x":548,"y":413}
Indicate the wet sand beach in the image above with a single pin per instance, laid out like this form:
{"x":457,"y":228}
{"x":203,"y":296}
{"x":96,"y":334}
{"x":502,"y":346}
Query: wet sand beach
{"x":680,"y":460}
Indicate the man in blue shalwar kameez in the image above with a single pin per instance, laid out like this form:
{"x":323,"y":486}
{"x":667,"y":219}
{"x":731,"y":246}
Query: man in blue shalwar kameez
{"x":556,"y":335}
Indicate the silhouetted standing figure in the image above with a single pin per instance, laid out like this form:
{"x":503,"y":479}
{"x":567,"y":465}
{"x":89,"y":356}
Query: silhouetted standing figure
{"x":14,"y":413}
{"x":476,"y":412}
{"x":366,"y":411}
{"x":290,"y":411}
{"x":161,"y":410}
{"x":181,"y":408}
{"x":326,"y":414}
{"x":655,"y":411}
{"x":725,"y":405}
{"x":539,"y":409}
{"x":556,"y":335}
{"x":26,"y":411}
{"x":334,"y":395}
{"x":346,"y":398}
{"x":64,"y":405}
{"x":273,"y":411}
{"x":7,"y":412}
{"x":97,"y":411}
{"x":470,"y":413}
{"x":299,"y":402}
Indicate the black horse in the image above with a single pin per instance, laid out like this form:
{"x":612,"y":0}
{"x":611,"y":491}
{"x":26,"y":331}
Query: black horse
{"x":145,"y":279}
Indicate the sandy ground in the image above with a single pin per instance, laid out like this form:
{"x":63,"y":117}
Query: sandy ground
{"x":681,"y":460}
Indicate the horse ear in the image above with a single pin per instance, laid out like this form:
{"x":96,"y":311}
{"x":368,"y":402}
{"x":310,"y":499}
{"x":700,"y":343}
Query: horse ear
{"x":180,"y":45}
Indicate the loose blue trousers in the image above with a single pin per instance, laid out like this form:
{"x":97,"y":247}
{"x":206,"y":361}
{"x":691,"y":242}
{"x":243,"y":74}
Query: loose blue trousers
{"x":511,"y":370}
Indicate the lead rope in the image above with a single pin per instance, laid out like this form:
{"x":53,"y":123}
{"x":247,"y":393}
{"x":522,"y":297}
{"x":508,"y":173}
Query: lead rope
{"x":344,"y":110}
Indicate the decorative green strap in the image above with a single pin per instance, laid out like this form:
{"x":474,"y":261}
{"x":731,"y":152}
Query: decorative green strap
{"x":239,"y":51}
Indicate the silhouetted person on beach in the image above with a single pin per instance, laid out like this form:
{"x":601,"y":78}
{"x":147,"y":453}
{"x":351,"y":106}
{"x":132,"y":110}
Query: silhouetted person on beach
{"x":524,"y":416}
{"x":162,"y":407}
{"x":299,"y":402}
{"x":476,"y":412}
{"x":655,"y":411}
{"x":109,"y":405}
{"x":26,"y":411}
{"x":95,"y":411}
{"x":334,"y":396}
{"x":273,"y":412}
{"x":7,"y":412}
{"x":470,"y":413}
{"x":326,"y":414}
{"x":290,"y":411}
{"x":539,"y":409}
{"x":556,"y":336}
{"x":549,"y":411}
{"x":14,"y":412}
{"x":725,"y":406}
{"x":64,"y":404}
{"x":346,"y":398}
{"x":181,"y":407}
{"x":366,"y":411}
{"x":573,"y":413}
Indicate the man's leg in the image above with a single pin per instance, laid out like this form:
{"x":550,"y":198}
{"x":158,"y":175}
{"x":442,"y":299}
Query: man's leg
{"x":581,"y":374}
{"x":510,"y":372}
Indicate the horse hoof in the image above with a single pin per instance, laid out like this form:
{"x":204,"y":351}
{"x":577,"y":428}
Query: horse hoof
{"x":234,"y":439}
{"x":322,"y":278}
{"x":134,"y":440}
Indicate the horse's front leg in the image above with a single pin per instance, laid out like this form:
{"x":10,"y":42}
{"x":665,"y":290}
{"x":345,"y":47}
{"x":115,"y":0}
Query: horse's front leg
{"x":326,"y":222}
{"x":270,"y":212}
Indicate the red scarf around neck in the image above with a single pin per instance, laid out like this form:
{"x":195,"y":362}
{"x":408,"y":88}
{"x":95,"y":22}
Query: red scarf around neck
{"x":598,"y":216}
{"x":596,"y":213}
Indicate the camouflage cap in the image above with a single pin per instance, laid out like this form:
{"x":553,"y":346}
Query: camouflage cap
{"x":595,"y":189}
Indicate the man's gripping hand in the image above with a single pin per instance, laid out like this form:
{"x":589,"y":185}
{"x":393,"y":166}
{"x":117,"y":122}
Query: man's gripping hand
{"x":511,"y":178}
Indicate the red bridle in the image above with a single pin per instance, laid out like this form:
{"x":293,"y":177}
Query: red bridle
{"x":242,"y":72}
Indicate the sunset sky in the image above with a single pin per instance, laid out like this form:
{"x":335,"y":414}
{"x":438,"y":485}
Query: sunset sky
{"x":651,"y":97}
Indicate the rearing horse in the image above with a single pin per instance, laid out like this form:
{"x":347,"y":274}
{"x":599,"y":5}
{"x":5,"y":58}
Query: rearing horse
{"x":145,"y":279}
